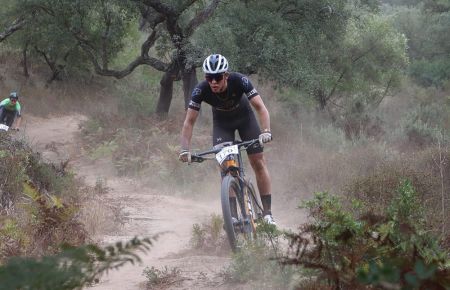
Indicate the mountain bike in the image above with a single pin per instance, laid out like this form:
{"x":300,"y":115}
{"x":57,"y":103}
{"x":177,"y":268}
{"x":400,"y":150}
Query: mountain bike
{"x":234,"y":183}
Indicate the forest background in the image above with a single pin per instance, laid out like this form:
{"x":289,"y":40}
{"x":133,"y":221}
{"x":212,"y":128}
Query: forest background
{"x":357,"y":90}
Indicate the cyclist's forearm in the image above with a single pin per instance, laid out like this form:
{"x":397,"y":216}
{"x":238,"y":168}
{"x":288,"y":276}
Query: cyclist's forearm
{"x":18,"y":121}
{"x":263,"y":113}
{"x":186,"y":136}
{"x":188,"y":128}
{"x":264,"y":119}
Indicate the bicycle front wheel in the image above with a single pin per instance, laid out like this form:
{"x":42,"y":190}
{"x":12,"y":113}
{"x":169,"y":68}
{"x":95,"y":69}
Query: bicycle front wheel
{"x":233,"y":225}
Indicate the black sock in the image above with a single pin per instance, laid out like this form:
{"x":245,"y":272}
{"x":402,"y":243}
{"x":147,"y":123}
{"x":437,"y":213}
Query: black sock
{"x":233,"y":206}
{"x":267,"y":204}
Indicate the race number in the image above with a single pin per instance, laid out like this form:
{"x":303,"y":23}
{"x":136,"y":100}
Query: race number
{"x":220,"y":157}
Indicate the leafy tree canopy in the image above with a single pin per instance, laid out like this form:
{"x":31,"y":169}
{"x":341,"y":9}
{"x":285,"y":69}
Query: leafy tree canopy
{"x":329,"y":49}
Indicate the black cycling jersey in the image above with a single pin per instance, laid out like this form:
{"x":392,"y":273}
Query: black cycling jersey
{"x":232,"y":102}
{"x":231,"y":110}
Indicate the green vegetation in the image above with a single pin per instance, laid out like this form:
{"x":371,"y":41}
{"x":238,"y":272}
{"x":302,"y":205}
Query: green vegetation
{"x":349,"y":245}
{"x":209,"y":236}
{"x":358,"y":93}
{"x":40,"y":203}
{"x":160,"y":278}
{"x":72,"y":268}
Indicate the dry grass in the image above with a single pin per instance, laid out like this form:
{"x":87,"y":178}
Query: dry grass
{"x":101,"y":215}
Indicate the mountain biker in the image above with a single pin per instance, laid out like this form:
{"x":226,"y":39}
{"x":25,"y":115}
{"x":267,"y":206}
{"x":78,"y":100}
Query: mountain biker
{"x":10,"y":110}
{"x":230,"y":95}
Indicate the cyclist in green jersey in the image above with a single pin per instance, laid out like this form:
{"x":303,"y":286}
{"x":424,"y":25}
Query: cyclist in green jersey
{"x":10,"y":110}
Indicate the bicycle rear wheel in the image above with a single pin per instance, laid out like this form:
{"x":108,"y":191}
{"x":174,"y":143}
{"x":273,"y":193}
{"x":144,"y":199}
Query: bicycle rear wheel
{"x":240,"y":227}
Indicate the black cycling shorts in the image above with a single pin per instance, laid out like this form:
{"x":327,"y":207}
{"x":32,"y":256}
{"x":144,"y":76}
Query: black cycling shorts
{"x":247,"y":127}
{"x":7,"y":117}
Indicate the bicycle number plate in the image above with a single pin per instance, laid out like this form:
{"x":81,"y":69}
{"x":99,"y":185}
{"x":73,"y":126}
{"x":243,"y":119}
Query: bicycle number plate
{"x":4,"y":127}
{"x":226,"y":151}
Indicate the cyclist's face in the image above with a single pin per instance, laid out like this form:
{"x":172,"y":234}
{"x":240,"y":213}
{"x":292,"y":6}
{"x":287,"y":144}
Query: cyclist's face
{"x":217,"y":82}
{"x":13,"y":100}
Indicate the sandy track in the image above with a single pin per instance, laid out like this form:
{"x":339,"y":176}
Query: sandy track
{"x":146,"y":213}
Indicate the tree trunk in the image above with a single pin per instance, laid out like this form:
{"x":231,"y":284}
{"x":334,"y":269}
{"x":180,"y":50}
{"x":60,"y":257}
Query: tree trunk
{"x":189,"y":81}
{"x":165,"y":93}
{"x":25,"y":60}
{"x":321,"y":98}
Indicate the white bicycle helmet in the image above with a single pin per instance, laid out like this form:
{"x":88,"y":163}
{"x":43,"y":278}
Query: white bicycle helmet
{"x":14,"y":95}
{"x":215,"y":64}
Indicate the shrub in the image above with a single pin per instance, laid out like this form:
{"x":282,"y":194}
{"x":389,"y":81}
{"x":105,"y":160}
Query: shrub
{"x":40,"y":203}
{"x":256,"y":262}
{"x":429,"y":173}
{"x":159,"y":278}
{"x":148,"y":149}
{"x":209,"y":236}
{"x":351,"y":247}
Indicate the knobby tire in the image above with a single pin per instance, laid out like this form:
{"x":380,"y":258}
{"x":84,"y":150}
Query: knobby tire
{"x":229,"y":183}
{"x":247,"y":231}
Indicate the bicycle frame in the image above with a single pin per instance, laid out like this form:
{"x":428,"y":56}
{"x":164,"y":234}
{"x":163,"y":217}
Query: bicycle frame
{"x":236,"y":168}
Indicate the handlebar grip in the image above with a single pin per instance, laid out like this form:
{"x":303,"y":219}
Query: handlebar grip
{"x":195,"y":158}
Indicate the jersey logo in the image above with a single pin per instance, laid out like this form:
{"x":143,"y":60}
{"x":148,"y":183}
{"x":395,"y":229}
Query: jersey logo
{"x":196,"y":92}
{"x":193,"y":104}
{"x":245,"y":81}
{"x":251,"y":93}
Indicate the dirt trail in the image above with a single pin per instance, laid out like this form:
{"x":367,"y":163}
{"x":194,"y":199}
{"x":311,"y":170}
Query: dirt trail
{"x":147,"y":213}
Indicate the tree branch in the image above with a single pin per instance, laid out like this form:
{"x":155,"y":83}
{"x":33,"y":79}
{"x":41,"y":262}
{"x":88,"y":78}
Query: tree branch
{"x":140,"y":60}
{"x":148,"y":43}
{"x":149,"y":18}
{"x":107,"y":21}
{"x":16,"y":25}
{"x":353,"y":61}
{"x":186,"y":5}
{"x":201,"y":17}
{"x":386,"y":90}
{"x":162,"y":8}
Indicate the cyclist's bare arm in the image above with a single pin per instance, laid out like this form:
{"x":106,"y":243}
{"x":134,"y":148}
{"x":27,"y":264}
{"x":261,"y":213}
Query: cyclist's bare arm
{"x":18,"y":122}
{"x":188,"y":128}
{"x":261,"y":110}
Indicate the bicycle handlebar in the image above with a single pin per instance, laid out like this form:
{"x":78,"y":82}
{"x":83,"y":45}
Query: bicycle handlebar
{"x":199,"y":157}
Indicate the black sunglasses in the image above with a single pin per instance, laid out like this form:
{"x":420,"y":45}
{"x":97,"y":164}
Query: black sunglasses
{"x":211,"y":77}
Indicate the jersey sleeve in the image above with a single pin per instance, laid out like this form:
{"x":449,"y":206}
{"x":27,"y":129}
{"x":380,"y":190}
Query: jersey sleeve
{"x":196,"y":98}
{"x":249,"y":90}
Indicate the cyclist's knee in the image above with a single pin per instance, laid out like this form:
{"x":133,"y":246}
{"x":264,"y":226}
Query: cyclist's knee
{"x":257,"y":161}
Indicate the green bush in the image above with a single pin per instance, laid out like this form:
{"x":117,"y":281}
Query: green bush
{"x":351,"y":247}
{"x":426,"y":124}
{"x":430,"y":72}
